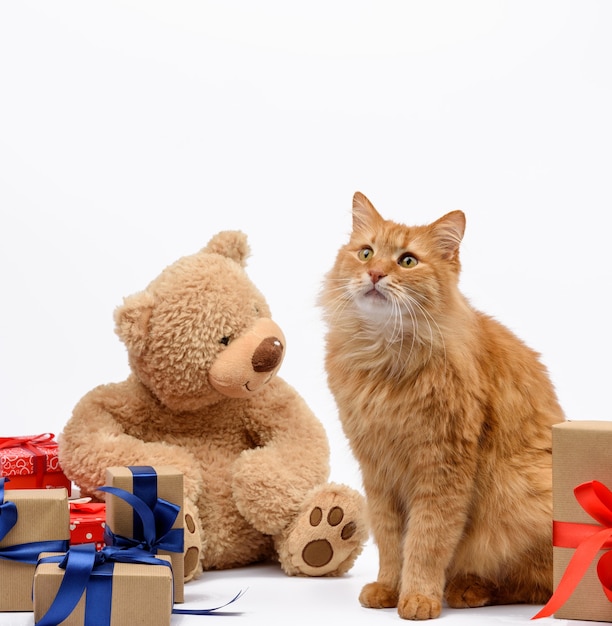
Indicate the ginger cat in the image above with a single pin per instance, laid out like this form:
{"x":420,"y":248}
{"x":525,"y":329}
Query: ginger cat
{"x":449,"y":415}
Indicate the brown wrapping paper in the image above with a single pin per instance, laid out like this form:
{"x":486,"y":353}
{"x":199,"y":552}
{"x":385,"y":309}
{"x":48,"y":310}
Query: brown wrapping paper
{"x":119,"y":514}
{"x":42,"y":515}
{"x":582,"y":452}
{"x":142,"y":594}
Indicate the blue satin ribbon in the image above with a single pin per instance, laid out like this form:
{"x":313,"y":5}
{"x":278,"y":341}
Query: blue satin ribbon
{"x":144,"y":486}
{"x":156,"y":523}
{"x":8,"y":513}
{"x":29,"y":552}
{"x":208,"y":611}
{"x":24,"y":552}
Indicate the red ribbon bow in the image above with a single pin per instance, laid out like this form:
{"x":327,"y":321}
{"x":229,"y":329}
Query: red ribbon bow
{"x":31,"y":442}
{"x":588,"y":539}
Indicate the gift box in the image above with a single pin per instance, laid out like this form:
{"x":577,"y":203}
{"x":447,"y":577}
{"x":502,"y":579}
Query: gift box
{"x":582,"y":526}
{"x":31,"y":521}
{"x":161,"y":490}
{"x":134,"y":590}
{"x":87,"y":522}
{"x":31,"y":462}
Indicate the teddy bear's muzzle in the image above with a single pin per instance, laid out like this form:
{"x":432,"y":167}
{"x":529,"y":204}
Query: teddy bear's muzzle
{"x":250,"y":361}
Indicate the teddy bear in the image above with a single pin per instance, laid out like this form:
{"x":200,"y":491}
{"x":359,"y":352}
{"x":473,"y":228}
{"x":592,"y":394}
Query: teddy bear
{"x":203,"y":395}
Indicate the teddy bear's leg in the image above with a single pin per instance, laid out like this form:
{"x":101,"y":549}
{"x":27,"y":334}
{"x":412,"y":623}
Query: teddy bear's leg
{"x":193,"y":543}
{"x":327,"y":534}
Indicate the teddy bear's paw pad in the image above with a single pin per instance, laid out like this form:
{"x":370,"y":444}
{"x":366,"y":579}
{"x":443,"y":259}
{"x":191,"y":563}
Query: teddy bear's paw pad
{"x":192,"y":549}
{"x":328,"y":541}
{"x":320,"y":552}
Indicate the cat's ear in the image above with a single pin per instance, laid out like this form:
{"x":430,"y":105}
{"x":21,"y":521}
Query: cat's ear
{"x":365,"y":216}
{"x":449,"y":231}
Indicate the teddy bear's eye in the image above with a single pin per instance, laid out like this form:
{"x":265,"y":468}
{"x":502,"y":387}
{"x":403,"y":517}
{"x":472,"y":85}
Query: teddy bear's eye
{"x":224,"y":340}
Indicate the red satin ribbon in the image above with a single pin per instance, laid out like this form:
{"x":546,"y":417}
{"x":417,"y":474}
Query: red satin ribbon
{"x":33,"y":444}
{"x":88,"y":507}
{"x":588,"y":539}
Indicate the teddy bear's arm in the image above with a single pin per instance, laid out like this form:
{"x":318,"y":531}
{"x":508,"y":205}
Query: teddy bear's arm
{"x":96,"y":437}
{"x":292,"y":456}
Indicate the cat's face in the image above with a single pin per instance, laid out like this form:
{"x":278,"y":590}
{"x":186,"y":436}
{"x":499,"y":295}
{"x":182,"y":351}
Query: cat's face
{"x":391,"y":274}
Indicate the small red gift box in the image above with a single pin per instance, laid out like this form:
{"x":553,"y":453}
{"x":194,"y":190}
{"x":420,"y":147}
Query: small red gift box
{"x":31,"y":462}
{"x":87,"y":522}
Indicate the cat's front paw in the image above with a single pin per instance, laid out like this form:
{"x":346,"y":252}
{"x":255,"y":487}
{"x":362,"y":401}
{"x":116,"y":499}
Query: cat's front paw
{"x":469,"y":591}
{"x":418,"y":606}
{"x":378,"y":596}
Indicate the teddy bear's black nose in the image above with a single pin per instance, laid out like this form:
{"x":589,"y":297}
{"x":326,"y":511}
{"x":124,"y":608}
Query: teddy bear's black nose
{"x":267,"y":355}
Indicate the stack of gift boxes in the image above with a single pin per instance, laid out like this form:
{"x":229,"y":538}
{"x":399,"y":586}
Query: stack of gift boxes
{"x":124,"y":560}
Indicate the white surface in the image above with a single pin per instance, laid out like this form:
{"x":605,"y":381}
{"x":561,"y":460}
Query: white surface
{"x":273,"y":598}
{"x":131,"y":132}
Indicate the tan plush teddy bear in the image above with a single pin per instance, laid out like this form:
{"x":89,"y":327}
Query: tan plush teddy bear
{"x":204,"y":397}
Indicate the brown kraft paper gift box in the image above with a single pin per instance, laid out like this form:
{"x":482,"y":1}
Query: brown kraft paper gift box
{"x":141,"y":594}
{"x":120,"y":517}
{"x":582,"y":452}
{"x":43,"y":515}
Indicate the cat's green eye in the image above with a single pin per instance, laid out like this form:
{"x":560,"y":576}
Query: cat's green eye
{"x":407,"y":260}
{"x":365,"y":253}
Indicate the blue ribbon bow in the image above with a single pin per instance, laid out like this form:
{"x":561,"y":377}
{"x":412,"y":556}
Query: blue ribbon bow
{"x":156,"y":523}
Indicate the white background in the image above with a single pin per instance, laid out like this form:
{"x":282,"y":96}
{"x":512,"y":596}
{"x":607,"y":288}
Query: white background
{"x":131,"y":132}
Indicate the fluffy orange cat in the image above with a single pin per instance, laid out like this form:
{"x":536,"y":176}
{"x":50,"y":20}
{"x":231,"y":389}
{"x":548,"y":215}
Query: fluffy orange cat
{"x":449,"y":415}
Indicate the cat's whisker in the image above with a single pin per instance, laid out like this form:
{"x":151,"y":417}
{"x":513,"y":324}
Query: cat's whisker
{"x":341,"y":297}
{"x":394,"y":337}
{"x":429,"y":318}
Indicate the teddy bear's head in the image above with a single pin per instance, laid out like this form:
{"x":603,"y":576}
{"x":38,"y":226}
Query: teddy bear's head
{"x":202,"y":330}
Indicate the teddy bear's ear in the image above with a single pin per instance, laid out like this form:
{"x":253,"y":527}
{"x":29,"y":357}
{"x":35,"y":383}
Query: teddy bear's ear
{"x":132,"y":320}
{"x":230,"y":243}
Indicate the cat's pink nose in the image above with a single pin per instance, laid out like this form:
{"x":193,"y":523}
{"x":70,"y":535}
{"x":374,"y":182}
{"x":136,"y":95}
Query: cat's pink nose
{"x":376,"y":275}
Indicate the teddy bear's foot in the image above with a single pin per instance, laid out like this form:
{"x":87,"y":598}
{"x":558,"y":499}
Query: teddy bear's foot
{"x":192,"y":546}
{"x":327,"y":535}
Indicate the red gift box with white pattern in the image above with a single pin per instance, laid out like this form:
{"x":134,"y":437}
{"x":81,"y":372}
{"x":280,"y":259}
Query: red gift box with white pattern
{"x":87,"y":522}
{"x":31,"y":462}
